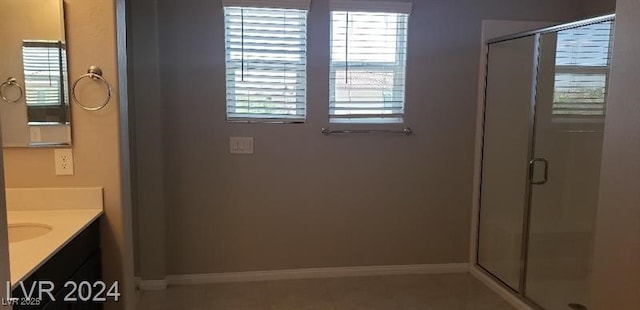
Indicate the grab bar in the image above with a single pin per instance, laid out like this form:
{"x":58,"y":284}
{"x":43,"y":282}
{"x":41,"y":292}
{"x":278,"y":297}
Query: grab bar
{"x":327,"y":131}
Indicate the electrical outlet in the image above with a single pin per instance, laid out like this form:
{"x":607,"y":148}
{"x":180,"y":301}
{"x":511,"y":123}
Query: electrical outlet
{"x":63,"y":161}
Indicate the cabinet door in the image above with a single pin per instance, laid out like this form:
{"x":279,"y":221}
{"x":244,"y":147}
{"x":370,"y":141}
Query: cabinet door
{"x":58,"y":304}
{"x":90,"y":272}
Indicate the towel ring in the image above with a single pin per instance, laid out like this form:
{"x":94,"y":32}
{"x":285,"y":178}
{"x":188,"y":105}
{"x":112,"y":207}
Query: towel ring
{"x":11,"y":82}
{"x":94,"y":73}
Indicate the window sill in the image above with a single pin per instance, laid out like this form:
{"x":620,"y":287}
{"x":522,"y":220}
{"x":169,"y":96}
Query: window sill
{"x":266,"y":121}
{"x":366,"y":121}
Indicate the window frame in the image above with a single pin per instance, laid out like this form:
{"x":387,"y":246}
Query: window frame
{"x":300,"y":76}
{"x":583,"y":70}
{"x":399,"y":69}
{"x":38,"y":113}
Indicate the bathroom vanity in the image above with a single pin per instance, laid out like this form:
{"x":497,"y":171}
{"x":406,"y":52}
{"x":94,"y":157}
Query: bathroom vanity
{"x":54,"y":246}
{"x":77,"y":261}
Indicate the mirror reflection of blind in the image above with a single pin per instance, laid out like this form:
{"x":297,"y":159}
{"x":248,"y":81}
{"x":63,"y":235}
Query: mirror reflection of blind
{"x":582,"y":68}
{"x":368,"y":52}
{"x":44,"y":72}
{"x":266,"y":51}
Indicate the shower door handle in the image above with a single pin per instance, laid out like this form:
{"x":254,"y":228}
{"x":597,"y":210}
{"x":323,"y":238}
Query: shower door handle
{"x":532,"y":166}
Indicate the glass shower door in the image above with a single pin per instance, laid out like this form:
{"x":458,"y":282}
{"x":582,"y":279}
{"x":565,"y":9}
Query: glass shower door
{"x":570,"y":108}
{"x":508,"y":120}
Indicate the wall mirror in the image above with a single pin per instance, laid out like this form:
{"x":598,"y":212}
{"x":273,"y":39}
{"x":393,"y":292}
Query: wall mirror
{"x":34,"y":101}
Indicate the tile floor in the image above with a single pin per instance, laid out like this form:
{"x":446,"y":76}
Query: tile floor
{"x":438,"y":292}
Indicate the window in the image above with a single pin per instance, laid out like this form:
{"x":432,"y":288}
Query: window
{"x":45,"y":81}
{"x":266,"y":46}
{"x":44,"y":73}
{"x":582,"y":70}
{"x":368,"y":56}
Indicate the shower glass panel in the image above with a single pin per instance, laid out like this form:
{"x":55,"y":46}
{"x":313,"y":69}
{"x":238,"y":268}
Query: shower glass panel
{"x":570,"y":108}
{"x":507,"y":136}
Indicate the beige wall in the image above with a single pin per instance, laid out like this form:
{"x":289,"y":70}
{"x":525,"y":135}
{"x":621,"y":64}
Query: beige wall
{"x":91,"y":39}
{"x":303,"y":199}
{"x":617,"y":248}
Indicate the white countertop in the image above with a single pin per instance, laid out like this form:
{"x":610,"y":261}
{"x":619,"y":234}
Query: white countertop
{"x":27,"y":256}
{"x":66,"y":223}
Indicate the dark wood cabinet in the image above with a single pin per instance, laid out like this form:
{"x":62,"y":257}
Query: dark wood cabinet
{"x":79,"y":260}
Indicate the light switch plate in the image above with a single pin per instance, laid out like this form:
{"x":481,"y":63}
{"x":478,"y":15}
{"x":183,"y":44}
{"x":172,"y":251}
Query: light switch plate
{"x":35,"y":134}
{"x":241,"y":145}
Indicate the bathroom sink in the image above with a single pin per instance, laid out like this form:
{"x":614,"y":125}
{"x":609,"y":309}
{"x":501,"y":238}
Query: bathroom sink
{"x":25,"y":231}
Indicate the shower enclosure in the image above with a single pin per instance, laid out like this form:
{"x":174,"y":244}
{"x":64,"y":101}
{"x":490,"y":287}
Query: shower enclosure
{"x":545,"y":102}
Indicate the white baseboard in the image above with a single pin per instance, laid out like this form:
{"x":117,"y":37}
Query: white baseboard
{"x":308,"y":273}
{"x":152,"y":285}
{"x":507,"y":295}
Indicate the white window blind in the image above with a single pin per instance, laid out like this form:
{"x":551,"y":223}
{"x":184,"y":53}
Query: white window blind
{"x":266,"y":50}
{"x":44,"y":73}
{"x":368,"y":56}
{"x":582,"y":68}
